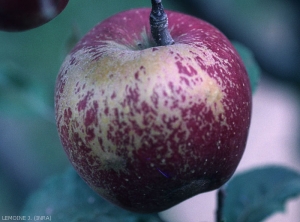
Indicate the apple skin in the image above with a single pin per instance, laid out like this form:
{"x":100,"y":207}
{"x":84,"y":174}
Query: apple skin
{"x":21,"y":15}
{"x":148,"y":127}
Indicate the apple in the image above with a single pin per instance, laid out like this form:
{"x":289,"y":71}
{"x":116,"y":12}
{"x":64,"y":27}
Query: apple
{"x":20,"y":15}
{"x":149,"y":126}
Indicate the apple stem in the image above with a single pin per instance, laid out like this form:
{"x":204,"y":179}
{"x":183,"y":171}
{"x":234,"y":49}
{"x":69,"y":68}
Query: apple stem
{"x":159,"y":24}
{"x":220,"y":204}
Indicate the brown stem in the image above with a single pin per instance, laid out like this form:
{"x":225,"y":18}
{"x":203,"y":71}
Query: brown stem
{"x":159,"y":24}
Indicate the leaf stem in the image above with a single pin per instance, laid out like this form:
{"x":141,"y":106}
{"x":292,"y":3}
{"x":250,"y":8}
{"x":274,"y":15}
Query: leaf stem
{"x":159,"y":24}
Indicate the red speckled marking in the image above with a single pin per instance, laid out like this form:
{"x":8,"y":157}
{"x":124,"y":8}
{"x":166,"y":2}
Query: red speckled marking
{"x":91,"y":115}
{"x":82,"y":103}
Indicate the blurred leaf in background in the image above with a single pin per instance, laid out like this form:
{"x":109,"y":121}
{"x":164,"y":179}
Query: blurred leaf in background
{"x":254,"y":195}
{"x":66,"y":197}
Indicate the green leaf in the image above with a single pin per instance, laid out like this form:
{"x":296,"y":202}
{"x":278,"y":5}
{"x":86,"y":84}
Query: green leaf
{"x":254,"y":195}
{"x":252,"y":66}
{"x":67,"y":197}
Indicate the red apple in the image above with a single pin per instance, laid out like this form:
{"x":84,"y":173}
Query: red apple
{"x":146,"y":126}
{"x":20,"y":15}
